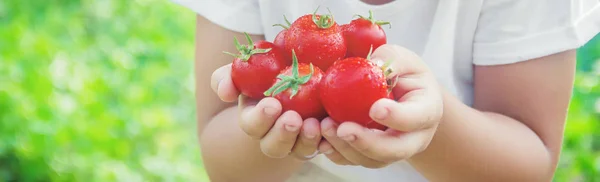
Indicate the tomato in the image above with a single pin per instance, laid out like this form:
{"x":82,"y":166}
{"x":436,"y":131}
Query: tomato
{"x":316,"y":38}
{"x":376,"y":125}
{"x":255,"y":67}
{"x":362,"y":33}
{"x":296,"y":88}
{"x":280,"y":40}
{"x":350,"y":87}
{"x":280,"y":43}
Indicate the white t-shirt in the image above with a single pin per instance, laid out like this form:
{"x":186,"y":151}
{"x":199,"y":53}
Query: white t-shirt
{"x":450,"y":35}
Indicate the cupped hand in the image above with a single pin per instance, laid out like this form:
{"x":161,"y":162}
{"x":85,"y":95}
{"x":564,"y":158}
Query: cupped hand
{"x":280,"y":134}
{"x":411,"y":120}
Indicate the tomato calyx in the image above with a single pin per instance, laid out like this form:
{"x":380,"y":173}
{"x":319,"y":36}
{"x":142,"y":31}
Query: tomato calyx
{"x":286,"y":22}
{"x":290,"y":82}
{"x":372,"y":20}
{"x":245,"y":51}
{"x":387,"y":71}
{"x":324,"y":21}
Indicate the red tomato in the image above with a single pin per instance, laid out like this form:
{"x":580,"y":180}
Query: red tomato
{"x":280,"y":40}
{"x":255,"y":67}
{"x":317,"y":39}
{"x":297,"y":89}
{"x":376,"y":125}
{"x":280,"y":44}
{"x":349,"y":89}
{"x":363,"y":32}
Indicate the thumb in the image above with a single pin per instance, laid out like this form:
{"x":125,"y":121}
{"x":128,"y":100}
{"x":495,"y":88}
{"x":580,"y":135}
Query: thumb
{"x":222,"y":84}
{"x":408,"y":71}
{"x":403,"y":61}
{"x":415,"y":90}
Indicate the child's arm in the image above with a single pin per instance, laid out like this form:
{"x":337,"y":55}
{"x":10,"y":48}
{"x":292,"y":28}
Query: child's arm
{"x":515,"y":130}
{"x":513,"y":133}
{"x":228,"y":152}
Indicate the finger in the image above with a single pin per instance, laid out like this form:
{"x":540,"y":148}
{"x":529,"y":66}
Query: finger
{"x":386,"y":146}
{"x":408,"y":71}
{"x":419,"y":111}
{"x":332,"y":154}
{"x":415,"y":89}
{"x":278,"y":142}
{"x":329,"y":130}
{"x":257,"y":120}
{"x":222,"y":84}
{"x":403,"y":60}
{"x":308,"y":141}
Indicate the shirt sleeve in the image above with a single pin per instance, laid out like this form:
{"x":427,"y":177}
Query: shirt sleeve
{"x":235,"y":15}
{"x":511,"y":31}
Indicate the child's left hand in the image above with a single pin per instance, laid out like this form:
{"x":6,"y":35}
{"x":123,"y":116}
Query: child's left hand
{"x":411,"y":121}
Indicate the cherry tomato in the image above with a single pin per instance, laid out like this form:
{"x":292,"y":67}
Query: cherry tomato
{"x":350,"y":87}
{"x":317,"y":39}
{"x":362,"y":33}
{"x":255,"y":66}
{"x":297,"y":88}
{"x":280,"y":40}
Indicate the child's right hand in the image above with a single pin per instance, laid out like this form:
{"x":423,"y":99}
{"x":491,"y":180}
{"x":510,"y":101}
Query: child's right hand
{"x":280,"y":135}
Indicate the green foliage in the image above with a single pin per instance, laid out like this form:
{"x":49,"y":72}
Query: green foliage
{"x":97,"y":91}
{"x":580,"y":159}
{"x":102,"y":90}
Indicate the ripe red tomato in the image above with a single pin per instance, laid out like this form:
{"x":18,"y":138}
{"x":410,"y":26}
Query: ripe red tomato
{"x":280,"y":40}
{"x":350,"y":87}
{"x":363,"y":32}
{"x":255,"y":67}
{"x":280,"y":43}
{"x":316,"y":38}
{"x":297,"y":89}
{"x":376,"y":125}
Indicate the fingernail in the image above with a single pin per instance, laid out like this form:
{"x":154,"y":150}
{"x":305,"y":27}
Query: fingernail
{"x":216,"y":86}
{"x":349,"y":138}
{"x":309,"y":135}
{"x":312,"y":155}
{"x":269,"y":111}
{"x":381,"y":114}
{"x":291,"y":128}
{"x":328,"y":151}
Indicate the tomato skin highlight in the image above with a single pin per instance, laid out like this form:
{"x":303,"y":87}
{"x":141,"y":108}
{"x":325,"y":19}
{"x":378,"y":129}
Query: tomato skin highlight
{"x":306,"y":102}
{"x":321,"y":46}
{"x":349,"y":89}
{"x":255,"y":75}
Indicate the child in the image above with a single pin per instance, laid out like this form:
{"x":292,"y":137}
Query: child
{"x":489,"y":85}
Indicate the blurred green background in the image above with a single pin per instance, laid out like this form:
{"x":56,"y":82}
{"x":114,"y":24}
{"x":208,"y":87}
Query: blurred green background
{"x":102,"y":90}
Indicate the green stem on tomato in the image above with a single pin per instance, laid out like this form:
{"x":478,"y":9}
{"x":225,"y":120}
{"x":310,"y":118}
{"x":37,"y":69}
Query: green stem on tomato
{"x":324,"y":21}
{"x":370,"y":18}
{"x":290,"y":82}
{"x":284,"y":26}
{"x":245,"y":51}
{"x":370,"y":52}
{"x":387,"y":71}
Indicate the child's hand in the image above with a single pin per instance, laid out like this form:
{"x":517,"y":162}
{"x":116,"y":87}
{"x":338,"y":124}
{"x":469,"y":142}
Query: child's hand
{"x":280,"y":135}
{"x":412,"y":121}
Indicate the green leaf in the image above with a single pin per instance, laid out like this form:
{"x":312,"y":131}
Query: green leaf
{"x":294,"y":64}
{"x":282,"y":88}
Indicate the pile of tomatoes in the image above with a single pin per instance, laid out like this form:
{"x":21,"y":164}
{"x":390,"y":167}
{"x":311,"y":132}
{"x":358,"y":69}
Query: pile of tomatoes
{"x":317,"y":68}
